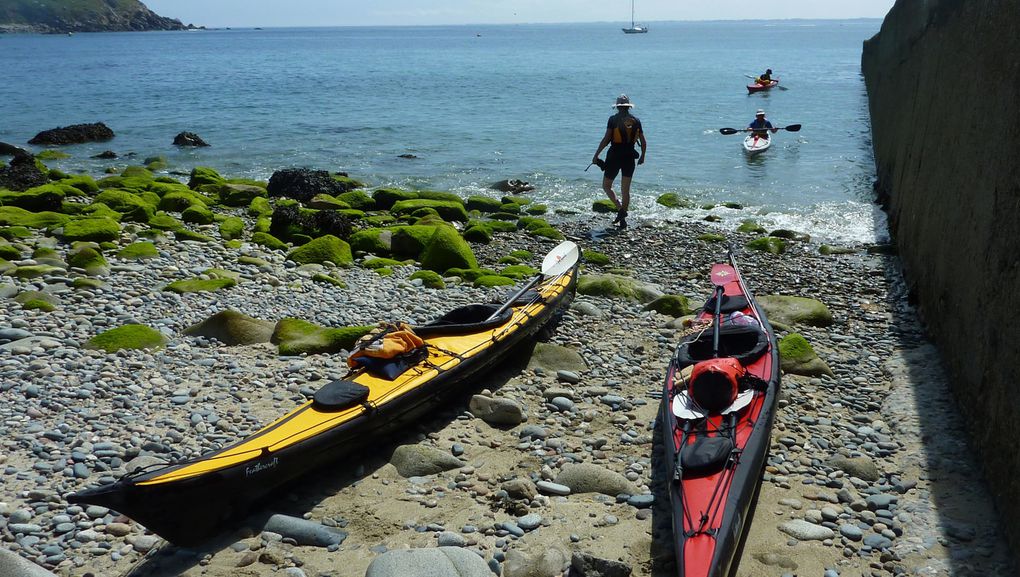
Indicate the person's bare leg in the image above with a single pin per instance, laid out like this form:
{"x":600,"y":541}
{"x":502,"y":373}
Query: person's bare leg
{"x":624,"y":194}
{"x":607,"y":187}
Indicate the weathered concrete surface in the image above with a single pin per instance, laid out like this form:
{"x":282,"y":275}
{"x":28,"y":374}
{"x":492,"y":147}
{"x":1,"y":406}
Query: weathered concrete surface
{"x":943,"y":78}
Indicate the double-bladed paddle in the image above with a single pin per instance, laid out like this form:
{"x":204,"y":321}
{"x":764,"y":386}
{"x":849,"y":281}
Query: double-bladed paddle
{"x":755,"y":78}
{"x":791,"y":128}
{"x":558,"y":261}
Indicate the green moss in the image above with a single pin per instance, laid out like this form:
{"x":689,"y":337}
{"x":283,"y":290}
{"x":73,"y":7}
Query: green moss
{"x":673,"y":200}
{"x":185,"y":234}
{"x":769,"y":244}
{"x":369,"y":240}
{"x":127,"y":337}
{"x":90,"y":259}
{"x":262,"y":224}
{"x":445,"y":250}
{"x":828,"y":250}
{"x":98,"y":210}
{"x":790,"y":235}
{"x":519,"y":271}
{"x":232,"y":227}
{"x":326,"y":201}
{"x":733,"y":205}
{"x":131,"y":206}
{"x":125,"y":183}
{"x":347,"y":183}
{"x":323,"y":249}
{"x":154,"y":163}
{"x":507,"y":216}
{"x":609,"y":285}
{"x":377,"y":220}
{"x":163,"y":186}
{"x":604,"y":206}
{"x":482,"y":203}
{"x":240,"y":194}
{"x":672,"y":305}
{"x":325,"y":278}
{"x":233,"y":244}
{"x":203,"y":175}
{"x":296,"y":336}
{"x":222,"y":273}
{"x":469,"y":274}
{"x":385,"y":198}
{"x":521,"y":201}
{"x":9,"y":251}
{"x":87,"y":283}
{"x":138,"y":251}
{"x":493,"y":280}
{"x":163,"y":221}
{"x":252,"y":260}
{"x":509,"y":260}
{"x":430,"y":279}
{"x":479,"y":233}
{"x":410,"y":241}
{"x":357,"y":199}
{"x":595,"y":258}
{"x":199,"y":285}
{"x":795,"y":347}
{"x":711,"y":237}
{"x":712,"y":218}
{"x":39,"y":198}
{"x":510,"y":208}
{"x":92,"y":229}
{"x":13,"y":232}
{"x":34,"y":271}
{"x":383,"y":271}
{"x":448,"y":209}
{"x":522,"y":254}
{"x":708,"y":206}
{"x":547,"y":232}
{"x":83,"y":183}
{"x":382,"y":262}
{"x":197,"y":214}
{"x":137,"y":172}
{"x":269,"y":241}
{"x":38,"y":305}
{"x":537,"y":209}
{"x":790,"y":310}
{"x":426,"y":212}
{"x":751,"y":227}
{"x":52,"y":154}
{"x":179,"y":201}
{"x":260,"y":206}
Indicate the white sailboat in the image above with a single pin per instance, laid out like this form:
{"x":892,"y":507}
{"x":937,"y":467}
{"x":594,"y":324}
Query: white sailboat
{"x":634,"y":28}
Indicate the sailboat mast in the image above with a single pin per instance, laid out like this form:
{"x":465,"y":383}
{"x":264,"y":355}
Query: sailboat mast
{"x":631,"y":13}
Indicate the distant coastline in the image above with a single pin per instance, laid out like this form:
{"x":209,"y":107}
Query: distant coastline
{"x":65,"y":17}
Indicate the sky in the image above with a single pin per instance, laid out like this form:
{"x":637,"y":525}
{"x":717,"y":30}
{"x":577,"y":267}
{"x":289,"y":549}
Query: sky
{"x":267,"y":13}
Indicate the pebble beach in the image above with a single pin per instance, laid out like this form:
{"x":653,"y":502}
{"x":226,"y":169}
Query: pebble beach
{"x":869,"y":470}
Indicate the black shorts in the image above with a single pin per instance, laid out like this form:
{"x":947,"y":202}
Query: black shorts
{"x":620,"y":160}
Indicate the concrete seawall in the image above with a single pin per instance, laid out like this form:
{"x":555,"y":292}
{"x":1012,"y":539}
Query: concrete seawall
{"x":943,"y":79}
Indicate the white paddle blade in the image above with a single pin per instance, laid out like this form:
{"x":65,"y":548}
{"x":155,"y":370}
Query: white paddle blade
{"x":560,"y":259}
{"x":685,"y":408}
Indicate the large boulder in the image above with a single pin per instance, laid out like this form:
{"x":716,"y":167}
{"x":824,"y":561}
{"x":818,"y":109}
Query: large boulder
{"x":591,"y":478}
{"x":791,"y":310}
{"x":35,"y":199}
{"x":296,"y":336}
{"x":323,"y":249}
{"x":75,"y":134}
{"x":233,"y":328}
{"x":132,"y":206}
{"x":554,"y":358}
{"x":430,"y":562}
{"x":92,"y":229}
{"x":496,"y":411}
{"x":449,"y":210}
{"x":22,"y":173}
{"x":302,"y":184}
{"x":618,"y":287}
{"x":445,"y":250}
{"x":11,"y":150}
{"x":421,"y":460}
{"x":189,"y":139}
{"x":797,"y":357}
{"x":127,"y":337}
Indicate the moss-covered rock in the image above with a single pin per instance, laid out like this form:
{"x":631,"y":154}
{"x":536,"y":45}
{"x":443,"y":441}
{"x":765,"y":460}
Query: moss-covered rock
{"x":480,"y":234}
{"x":179,"y":201}
{"x":827,"y":250}
{"x":127,"y":337}
{"x":82,"y":182}
{"x":163,"y":221}
{"x":733,"y":205}
{"x":38,"y":305}
{"x":429,"y":279}
{"x":519,"y":271}
{"x":410,"y":241}
{"x":469,"y":274}
{"x":323,"y":249}
{"x":138,"y":251}
{"x":155,"y":163}
{"x":594,"y":257}
{"x":15,"y":232}
{"x":296,"y":336}
{"x":790,"y":235}
{"x":372,"y":241}
{"x":797,"y":357}
{"x":792,"y":310}
{"x":357,"y":199}
{"x":769,"y":244}
{"x":233,"y":328}
{"x":493,"y":280}
{"x":9,"y":252}
{"x":92,"y":229}
{"x":40,"y":198}
{"x":88,"y":258}
{"x":232,"y":227}
{"x":326,"y":201}
{"x":672,"y":305}
{"x":14,"y":216}
{"x":445,"y":250}
{"x":537,"y":209}
{"x":125,"y":183}
{"x":203,"y":175}
{"x":185,"y":234}
{"x":604,"y":206}
{"x":94,"y":210}
{"x":51,"y":154}
{"x":260,"y":207}
{"x":482,"y":203}
{"x":673,"y":200}
{"x":197,"y":214}
{"x":385,"y":198}
{"x":195,"y":285}
{"x":617,"y":286}
{"x":327,"y":279}
{"x":379,"y":220}
{"x":448,"y":209}
{"x":751,"y":227}
{"x":131,"y":206}
{"x":269,"y":241}
{"x":374,"y":263}
{"x":137,"y":172}
{"x":549,"y":232}
{"x":510,"y":208}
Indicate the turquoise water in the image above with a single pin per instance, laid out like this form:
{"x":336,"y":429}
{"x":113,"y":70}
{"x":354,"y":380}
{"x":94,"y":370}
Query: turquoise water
{"x":477,"y":104}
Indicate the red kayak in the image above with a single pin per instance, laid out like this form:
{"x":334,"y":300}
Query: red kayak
{"x":717,"y":411}
{"x":756,"y":87}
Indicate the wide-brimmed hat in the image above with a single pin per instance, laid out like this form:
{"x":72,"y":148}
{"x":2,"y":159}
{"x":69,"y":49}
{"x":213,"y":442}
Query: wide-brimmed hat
{"x":623,"y":100}
{"x":759,"y":112}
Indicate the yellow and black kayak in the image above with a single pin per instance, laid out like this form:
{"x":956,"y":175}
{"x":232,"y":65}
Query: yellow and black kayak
{"x":190,"y":501}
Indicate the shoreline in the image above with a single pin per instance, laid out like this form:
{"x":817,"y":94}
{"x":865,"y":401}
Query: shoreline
{"x":67,"y":403}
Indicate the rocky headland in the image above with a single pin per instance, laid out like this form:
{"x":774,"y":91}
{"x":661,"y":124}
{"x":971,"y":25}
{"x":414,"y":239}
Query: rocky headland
{"x":64,"y":16}
{"x":117,"y":351}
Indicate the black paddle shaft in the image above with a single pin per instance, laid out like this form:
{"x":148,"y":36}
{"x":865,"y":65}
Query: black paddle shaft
{"x":715,"y":321}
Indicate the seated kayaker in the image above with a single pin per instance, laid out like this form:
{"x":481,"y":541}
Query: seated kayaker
{"x":759,"y":126}
{"x":766,"y":78}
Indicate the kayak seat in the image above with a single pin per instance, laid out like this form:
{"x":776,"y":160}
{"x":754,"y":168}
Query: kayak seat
{"x":706,"y":455}
{"x":730,"y":303}
{"x":744,"y":343}
{"x":339,"y":395}
{"x":465,"y":319}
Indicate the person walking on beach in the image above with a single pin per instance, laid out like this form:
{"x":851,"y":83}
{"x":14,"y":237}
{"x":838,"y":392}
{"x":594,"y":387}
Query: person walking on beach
{"x":623,"y":131}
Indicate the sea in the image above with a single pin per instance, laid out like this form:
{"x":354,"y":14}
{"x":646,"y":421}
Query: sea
{"x":458,"y":108}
